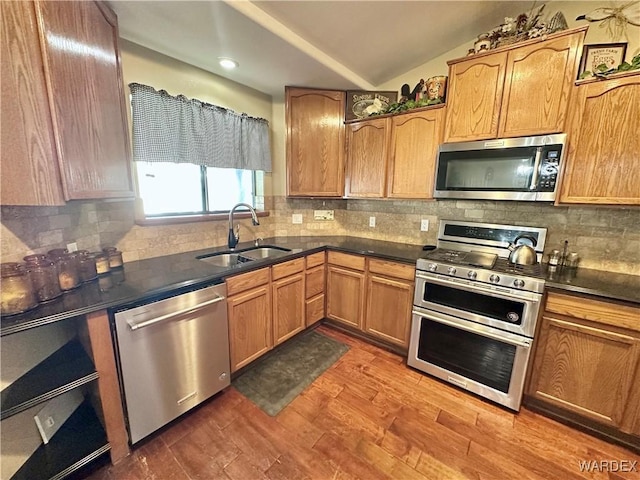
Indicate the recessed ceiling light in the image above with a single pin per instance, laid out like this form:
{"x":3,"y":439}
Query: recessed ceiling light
{"x":227,"y":63}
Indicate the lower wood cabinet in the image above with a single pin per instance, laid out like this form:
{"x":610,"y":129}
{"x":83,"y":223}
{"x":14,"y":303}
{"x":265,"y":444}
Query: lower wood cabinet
{"x":371,"y":295}
{"x":315,"y":280}
{"x":587,"y":361}
{"x":288,"y":299}
{"x":389,"y":301}
{"x":345,"y":289}
{"x":250,"y":317}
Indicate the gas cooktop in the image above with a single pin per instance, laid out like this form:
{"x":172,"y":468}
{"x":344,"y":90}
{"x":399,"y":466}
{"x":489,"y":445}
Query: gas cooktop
{"x":478,"y":252}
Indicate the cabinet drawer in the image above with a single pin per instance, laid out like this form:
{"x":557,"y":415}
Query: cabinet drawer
{"x":240,"y":283}
{"x":608,"y":313}
{"x":392,"y":269}
{"x":287,"y":268}
{"x":355,"y":262}
{"x":315,"y":309}
{"x":314,"y":281}
{"x":315,"y":259}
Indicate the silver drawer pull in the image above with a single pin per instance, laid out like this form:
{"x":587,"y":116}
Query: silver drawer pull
{"x":135,"y":326}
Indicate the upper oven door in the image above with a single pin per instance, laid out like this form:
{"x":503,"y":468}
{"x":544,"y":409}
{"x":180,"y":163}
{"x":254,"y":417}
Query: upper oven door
{"x":503,"y":308}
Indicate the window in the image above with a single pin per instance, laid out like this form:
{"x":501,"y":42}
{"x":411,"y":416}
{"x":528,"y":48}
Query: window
{"x":173,"y":189}
{"x":194,"y":158}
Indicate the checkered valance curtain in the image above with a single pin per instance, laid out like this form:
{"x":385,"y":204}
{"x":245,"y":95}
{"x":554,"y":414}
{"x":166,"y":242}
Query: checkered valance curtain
{"x":182,"y":130}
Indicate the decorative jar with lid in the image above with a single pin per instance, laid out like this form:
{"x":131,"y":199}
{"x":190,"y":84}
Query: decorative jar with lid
{"x":16,"y":295}
{"x":115,"y":257}
{"x":44,"y":277}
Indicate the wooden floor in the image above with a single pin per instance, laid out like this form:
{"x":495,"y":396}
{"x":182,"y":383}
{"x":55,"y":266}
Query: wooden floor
{"x":367,"y":417}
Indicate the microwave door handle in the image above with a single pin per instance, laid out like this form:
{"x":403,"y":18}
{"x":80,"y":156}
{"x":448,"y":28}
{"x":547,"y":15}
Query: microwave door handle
{"x":536,"y":169}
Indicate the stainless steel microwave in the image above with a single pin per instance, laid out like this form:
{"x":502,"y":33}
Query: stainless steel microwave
{"x":524,"y":168}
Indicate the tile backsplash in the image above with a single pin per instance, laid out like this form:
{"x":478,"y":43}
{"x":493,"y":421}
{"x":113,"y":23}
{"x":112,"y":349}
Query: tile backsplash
{"x":605,"y":238}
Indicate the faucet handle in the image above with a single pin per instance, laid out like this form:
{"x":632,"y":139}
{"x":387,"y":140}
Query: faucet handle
{"x":258,"y":240}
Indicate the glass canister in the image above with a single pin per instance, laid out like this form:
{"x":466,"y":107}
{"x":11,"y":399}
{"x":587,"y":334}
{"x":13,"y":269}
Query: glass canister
{"x":17,"y":291}
{"x":115,"y":257}
{"x":68,"y":276}
{"x":44,"y":277}
{"x":87,"y":266}
{"x":102,"y":263}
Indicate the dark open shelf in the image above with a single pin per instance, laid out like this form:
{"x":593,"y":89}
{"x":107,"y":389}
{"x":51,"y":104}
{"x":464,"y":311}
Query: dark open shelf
{"x":80,"y":440}
{"x":66,"y":369}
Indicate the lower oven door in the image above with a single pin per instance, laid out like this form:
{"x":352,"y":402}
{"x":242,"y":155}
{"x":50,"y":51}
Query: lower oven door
{"x":503,"y":308}
{"x":481,"y":359}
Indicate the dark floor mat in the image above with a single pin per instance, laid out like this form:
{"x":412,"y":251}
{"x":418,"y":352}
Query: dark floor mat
{"x":277,"y":378}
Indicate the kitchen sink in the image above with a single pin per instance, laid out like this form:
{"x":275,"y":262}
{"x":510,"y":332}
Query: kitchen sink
{"x":230,"y":259}
{"x":224,"y":259}
{"x":259,"y":253}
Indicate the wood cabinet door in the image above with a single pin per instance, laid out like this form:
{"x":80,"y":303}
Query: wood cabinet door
{"x":345,"y":295}
{"x":289,"y":307}
{"x":28,"y":157}
{"x":367,"y":144}
{"x":388,"y":312}
{"x":474,"y":98}
{"x":538,"y":81}
{"x":602,"y":164}
{"x":250,"y":325}
{"x":315,"y":142}
{"x":82,"y":67}
{"x":415,"y":138}
{"x":585,"y":369}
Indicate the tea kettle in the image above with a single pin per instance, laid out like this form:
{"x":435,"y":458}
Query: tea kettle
{"x":523,"y":254}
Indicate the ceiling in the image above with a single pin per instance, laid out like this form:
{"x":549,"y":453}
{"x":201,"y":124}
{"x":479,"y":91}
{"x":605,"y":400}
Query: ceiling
{"x":329,"y":44}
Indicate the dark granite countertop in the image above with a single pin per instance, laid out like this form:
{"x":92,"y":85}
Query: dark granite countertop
{"x":610,"y":286}
{"x":153,"y":278}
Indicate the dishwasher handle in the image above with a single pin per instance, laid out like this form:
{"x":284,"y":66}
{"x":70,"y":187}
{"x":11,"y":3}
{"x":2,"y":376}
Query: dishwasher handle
{"x":135,"y":326}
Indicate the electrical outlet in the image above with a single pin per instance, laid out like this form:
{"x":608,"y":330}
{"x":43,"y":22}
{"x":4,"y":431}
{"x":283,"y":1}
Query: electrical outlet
{"x":55,"y":412}
{"x":296,"y":218}
{"x":372,"y":221}
{"x":72,"y":247}
{"x":424,"y":225}
{"x":323,"y":214}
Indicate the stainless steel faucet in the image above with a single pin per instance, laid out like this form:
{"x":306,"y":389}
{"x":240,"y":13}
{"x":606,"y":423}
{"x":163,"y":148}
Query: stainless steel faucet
{"x":234,"y":237}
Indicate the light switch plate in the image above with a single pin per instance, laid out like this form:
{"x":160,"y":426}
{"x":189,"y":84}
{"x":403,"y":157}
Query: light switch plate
{"x":56,"y":412}
{"x":372,"y":221}
{"x":424,"y":225}
{"x":323,"y":214}
{"x":296,"y":218}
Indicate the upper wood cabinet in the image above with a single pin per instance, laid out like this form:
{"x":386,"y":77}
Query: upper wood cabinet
{"x":64,"y":134}
{"x":367,"y":143}
{"x":28,"y":158}
{"x":394,"y":156}
{"x":513,"y":91}
{"x":602,"y":164}
{"x":586,"y":360}
{"x":474,"y":97}
{"x":415,"y":138}
{"x":315,"y":142}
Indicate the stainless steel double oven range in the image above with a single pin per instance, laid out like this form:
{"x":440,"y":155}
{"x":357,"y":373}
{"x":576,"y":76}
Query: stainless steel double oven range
{"x":474,"y":313}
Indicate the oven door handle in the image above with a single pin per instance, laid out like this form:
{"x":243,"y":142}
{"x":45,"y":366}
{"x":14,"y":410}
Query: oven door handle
{"x":475,"y":329}
{"x":475,"y":287}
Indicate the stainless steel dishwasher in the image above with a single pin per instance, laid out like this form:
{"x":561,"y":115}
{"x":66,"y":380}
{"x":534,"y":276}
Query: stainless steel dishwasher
{"x":173,"y":354}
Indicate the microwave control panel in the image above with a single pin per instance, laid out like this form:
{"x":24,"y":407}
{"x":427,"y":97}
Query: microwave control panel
{"x":549,"y":169}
